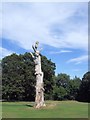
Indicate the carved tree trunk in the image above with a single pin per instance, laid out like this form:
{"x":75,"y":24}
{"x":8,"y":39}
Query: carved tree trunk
{"x":39,"y":100}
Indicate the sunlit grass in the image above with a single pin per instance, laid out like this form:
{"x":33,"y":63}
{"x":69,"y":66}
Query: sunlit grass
{"x":53,"y":109}
{"x":0,"y":110}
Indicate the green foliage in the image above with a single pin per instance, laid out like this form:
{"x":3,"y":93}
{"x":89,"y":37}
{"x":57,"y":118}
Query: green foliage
{"x":73,"y":88}
{"x":66,"y":88}
{"x":48,"y":67}
{"x":0,"y":81}
{"x":59,"y":93}
{"x":62,"y":79}
{"x":84,"y":91}
{"x":18,"y":79}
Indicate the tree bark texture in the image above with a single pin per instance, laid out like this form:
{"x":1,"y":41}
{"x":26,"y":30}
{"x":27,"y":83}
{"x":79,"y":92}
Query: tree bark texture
{"x":39,"y":99}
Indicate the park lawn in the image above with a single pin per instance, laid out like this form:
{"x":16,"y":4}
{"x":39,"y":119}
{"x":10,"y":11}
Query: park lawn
{"x":53,"y":109}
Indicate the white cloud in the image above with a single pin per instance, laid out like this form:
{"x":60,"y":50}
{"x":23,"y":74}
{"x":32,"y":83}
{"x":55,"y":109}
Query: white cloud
{"x":76,"y":70}
{"x":62,"y":51}
{"x":25,"y":23}
{"x":79,"y":60}
{"x":0,"y":19}
{"x":4,"y":52}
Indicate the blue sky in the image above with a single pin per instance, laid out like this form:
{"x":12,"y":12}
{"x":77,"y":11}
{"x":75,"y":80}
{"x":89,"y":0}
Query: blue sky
{"x":60,"y":28}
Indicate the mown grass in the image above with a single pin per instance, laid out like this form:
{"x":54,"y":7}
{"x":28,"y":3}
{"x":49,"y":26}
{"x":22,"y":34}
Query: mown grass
{"x":53,"y":109}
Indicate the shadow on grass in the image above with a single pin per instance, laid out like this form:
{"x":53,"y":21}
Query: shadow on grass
{"x":28,"y":105}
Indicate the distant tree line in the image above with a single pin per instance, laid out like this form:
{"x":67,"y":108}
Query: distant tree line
{"x":18,"y":81}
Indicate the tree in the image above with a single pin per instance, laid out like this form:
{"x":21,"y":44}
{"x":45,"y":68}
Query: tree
{"x":60,"y":91}
{"x":18,"y":79}
{"x":0,"y":81}
{"x":62,"y":79}
{"x":66,"y":88}
{"x":48,"y":67}
{"x":73,"y":87}
{"x":84,"y":90}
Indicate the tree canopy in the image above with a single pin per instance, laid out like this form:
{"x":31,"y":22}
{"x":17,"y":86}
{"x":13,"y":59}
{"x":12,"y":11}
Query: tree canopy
{"x":66,"y":88}
{"x":18,"y":80}
{"x":84,"y":91}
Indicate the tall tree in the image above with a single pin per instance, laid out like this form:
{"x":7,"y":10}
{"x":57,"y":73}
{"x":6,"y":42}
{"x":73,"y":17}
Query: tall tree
{"x":0,"y":81}
{"x":18,"y":79}
{"x":60,"y":91}
{"x":66,"y":88}
{"x":84,"y":91}
{"x":48,"y":67}
{"x":73,"y":87}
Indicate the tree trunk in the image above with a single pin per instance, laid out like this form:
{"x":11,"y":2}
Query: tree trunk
{"x":39,"y":99}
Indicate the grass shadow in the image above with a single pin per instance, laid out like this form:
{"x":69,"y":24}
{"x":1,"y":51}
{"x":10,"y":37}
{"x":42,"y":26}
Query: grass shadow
{"x":28,"y":105}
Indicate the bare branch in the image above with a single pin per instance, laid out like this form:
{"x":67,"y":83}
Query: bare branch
{"x":32,"y":55}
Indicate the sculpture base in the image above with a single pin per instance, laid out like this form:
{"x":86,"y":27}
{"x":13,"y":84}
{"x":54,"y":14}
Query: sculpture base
{"x":39,"y":106}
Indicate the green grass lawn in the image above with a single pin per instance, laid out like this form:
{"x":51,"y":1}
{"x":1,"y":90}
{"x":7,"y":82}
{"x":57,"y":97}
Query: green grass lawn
{"x":53,"y":109}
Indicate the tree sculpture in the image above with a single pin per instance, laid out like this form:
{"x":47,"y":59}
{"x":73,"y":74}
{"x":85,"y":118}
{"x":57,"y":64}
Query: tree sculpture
{"x":39,"y":99}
